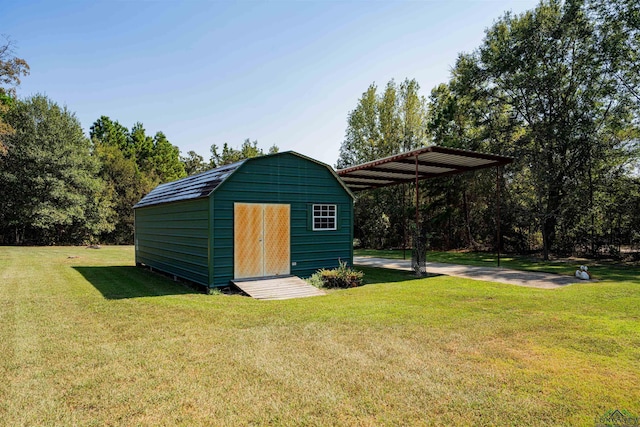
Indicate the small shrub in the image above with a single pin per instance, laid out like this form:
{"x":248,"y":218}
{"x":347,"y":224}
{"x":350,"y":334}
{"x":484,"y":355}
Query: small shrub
{"x":341,"y":277}
{"x":315,"y":280}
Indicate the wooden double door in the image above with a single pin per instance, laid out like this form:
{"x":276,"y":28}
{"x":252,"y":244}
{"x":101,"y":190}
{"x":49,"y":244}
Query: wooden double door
{"x":261,"y":240}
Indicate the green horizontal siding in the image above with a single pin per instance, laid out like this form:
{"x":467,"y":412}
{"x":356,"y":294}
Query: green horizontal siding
{"x":178,"y":238}
{"x":292,"y":180}
{"x":174,"y":238}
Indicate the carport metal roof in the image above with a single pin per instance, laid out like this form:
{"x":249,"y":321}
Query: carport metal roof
{"x":419,"y":164}
{"x":423,"y":163}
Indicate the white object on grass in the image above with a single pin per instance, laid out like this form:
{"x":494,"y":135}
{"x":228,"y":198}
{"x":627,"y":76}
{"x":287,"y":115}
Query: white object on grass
{"x":583,"y":273}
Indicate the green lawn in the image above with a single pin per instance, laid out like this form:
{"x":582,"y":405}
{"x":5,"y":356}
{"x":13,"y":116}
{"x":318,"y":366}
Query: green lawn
{"x":599,"y":269}
{"x":95,"y":341}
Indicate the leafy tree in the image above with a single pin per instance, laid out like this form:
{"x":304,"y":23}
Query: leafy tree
{"x":141,"y":145}
{"x":231,"y":155}
{"x":126,"y":185}
{"x":617,"y":23}
{"x":463,"y":207}
{"x":382,"y":125}
{"x":11,"y":69}
{"x":6,"y":103}
{"x":194,"y":163}
{"x":107,"y":132}
{"x":388,"y":121}
{"x":412,"y":116}
{"x":557,"y":88}
{"x":544,"y":71}
{"x":362,"y":136}
{"x":132,"y":164}
{"x":48,"y":182}
{"x":164,"y":161}
{"x":155,"y":157}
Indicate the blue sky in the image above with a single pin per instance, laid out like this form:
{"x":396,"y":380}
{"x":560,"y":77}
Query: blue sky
{"x":210,"y":72}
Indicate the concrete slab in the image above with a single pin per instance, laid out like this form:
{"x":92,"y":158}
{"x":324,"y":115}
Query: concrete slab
{"x":529,"y":279}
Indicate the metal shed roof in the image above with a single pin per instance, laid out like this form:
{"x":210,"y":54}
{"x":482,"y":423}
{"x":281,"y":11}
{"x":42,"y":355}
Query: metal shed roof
{"x":191,"y":187}
{"x":205,"y":183}
{"x":423,"y":163}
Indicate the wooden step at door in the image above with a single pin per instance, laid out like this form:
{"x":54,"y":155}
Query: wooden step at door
{"x":276,"y":288}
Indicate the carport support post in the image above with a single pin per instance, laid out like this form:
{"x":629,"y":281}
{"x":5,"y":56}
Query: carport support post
{"x":404,"y":222}
{"x":498,"y":210}
{"x":419,"y":255}
{"x":417,"y":196}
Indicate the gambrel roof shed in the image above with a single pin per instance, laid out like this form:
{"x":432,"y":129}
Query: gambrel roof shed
{"x":267,"y":216}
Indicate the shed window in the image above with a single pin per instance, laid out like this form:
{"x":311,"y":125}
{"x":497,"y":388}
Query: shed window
{"x":324,"y":217}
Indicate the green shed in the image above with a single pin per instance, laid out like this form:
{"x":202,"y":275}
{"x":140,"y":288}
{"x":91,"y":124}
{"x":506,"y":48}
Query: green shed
{"x":281,"y":214}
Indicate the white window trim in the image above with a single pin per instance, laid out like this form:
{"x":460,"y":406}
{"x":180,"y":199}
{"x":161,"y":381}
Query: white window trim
{"x":335,"y":217}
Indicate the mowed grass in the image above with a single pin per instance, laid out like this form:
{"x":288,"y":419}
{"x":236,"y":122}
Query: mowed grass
{"x":95,"y":341}
{"x":601,"y":270}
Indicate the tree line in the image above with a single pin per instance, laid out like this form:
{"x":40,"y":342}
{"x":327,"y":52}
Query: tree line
{"x":58,"y":186}
{"x":558,"y":89}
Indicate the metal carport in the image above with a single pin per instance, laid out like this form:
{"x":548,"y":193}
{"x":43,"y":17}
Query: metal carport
{"x":420,"y":164}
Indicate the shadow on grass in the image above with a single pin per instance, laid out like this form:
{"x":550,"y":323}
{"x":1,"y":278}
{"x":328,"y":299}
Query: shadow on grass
{"x":374,"y":275}
{"x":122,"y":282}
